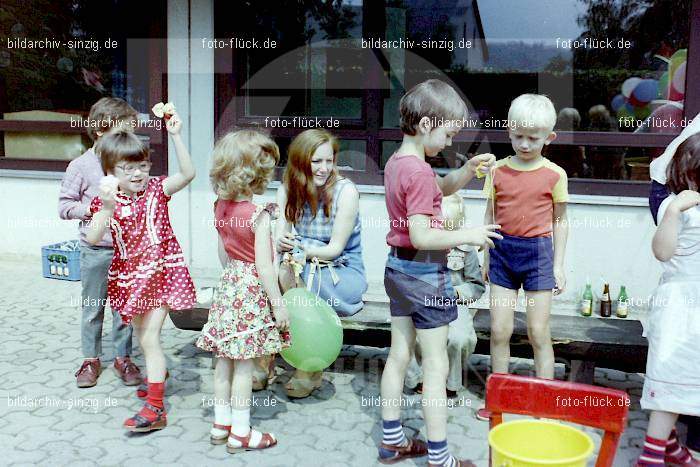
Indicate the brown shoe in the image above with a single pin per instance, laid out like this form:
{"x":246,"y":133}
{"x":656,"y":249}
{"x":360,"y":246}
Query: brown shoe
{"x":391,"y":454}
{"x":88,"y":373}
{"x":127,"y":371}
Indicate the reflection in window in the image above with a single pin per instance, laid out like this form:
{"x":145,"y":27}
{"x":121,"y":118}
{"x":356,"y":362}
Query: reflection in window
{"x":619,"y":65}
{"x":60,"y":57}
{"x":316,"y":68}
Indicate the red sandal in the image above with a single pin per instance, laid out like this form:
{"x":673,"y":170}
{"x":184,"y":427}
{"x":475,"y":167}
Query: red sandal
{"x":222,"y":438}
{"x":266,"y":441}
{"x":140,"y":424}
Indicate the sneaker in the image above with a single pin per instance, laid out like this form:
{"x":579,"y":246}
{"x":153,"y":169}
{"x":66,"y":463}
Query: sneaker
{"x":483,"y":414}
{"x":127,"y":371}
{"x":86,"y":376}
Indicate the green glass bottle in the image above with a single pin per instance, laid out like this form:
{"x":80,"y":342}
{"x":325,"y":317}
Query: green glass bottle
{"x":52,"y":264}
{"x":587,"y":301}
{"x":623,"y":303}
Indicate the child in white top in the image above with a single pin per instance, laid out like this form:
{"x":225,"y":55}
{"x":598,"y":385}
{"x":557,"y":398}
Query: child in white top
{"x":672,"y":382}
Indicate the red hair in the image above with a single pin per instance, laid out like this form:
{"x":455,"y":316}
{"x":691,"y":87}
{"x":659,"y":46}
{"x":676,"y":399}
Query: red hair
{"x":298,"y":179}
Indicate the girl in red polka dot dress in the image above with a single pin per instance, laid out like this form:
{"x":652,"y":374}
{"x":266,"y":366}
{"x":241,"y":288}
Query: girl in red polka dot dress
{"x":247,"y":318}
{"x":148,"y":275}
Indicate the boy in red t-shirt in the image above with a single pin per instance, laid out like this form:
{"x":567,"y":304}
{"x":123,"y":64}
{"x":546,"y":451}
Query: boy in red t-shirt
{"x":527,"y":196}
{"x":416,"y":278}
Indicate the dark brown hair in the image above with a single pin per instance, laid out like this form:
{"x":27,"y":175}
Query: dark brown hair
{"x":298,"y":179}
{"x":120,"y":145}
{"x":107,"y":113}
{"x":685,"y":165}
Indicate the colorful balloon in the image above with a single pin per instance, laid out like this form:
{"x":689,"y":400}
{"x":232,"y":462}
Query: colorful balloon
{"x":678,"y":81}
{"x":317,"y":334}
{"x":640,"y":113}
{"x":662,"y":87}
{"x":629,"y":85}
{"x":617,"y":102}
{"x":645,"y":91}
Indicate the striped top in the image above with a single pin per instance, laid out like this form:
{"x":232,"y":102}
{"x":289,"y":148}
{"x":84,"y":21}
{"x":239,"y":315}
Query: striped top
{"x":140,"y":222}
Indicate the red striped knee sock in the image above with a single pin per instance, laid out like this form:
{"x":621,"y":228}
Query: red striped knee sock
{"x":653,"y":453}
{"x":675,"y":452}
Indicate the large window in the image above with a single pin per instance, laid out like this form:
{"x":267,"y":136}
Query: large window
{"x":616,"y":72}
{"x":58,"y":58}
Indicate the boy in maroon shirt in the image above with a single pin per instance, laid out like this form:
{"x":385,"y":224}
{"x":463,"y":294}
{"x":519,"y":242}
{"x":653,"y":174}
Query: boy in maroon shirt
{"x":416,"y":278}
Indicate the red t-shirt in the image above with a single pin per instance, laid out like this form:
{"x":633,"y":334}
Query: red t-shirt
{"x":235,"y":221}
{"x":411,"y":188}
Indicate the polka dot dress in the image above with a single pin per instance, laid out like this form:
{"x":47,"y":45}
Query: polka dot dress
{"x":148,"y":270}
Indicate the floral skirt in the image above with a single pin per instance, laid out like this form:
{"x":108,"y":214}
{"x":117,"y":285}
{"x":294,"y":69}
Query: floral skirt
{"x":241,"y":324}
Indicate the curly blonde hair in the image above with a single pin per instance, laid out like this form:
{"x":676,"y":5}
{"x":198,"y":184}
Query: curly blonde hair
{"x":244,"y":163}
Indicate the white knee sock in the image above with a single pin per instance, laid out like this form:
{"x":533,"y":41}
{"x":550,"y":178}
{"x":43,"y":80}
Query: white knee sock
{"x":240,"y":422}
{"x":222,"y":416}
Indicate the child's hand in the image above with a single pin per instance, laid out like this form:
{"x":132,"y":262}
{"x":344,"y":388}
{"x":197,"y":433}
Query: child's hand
{"x":281,"y":317}
{"x":481,"y":236}
{"x":108,"y":190}
{"x":685,"y":200}
{"x":560,"y":281}
{"x":173,"y":124}
{"x":286,"y":242}
{"x":481,"y":164}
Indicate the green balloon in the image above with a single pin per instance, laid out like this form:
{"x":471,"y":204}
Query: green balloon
{"x":640,"y":113}
{"x":317,"y":334}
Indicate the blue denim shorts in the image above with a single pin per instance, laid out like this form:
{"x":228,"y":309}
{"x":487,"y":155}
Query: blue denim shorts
{"x":422,"y":291}
{"x":526,"y":262}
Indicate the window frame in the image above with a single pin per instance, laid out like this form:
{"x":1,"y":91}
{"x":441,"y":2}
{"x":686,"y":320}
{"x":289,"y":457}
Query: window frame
{"x":369,"y":127}
{"x":158,"y":139}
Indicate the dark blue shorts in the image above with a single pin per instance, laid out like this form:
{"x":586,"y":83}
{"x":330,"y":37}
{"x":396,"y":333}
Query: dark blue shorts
{"x":521,"y":261}
{"x":422,"y":291}
{"x":657,"y":195}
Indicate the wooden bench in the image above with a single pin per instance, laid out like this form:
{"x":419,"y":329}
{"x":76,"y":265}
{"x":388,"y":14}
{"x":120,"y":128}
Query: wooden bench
{"x":582,"y":343}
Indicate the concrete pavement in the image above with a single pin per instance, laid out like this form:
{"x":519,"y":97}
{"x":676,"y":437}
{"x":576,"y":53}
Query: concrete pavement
{"x":46,"y":420}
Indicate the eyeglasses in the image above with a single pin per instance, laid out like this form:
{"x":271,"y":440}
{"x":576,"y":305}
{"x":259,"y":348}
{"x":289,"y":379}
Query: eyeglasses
{"x":143,"y":167}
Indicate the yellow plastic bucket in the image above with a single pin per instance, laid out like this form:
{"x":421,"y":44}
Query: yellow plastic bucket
{"x":525,"y":443}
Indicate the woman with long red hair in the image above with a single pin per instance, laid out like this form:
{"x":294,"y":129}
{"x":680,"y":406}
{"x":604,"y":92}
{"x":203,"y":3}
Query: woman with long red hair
{"x":320,"y":216}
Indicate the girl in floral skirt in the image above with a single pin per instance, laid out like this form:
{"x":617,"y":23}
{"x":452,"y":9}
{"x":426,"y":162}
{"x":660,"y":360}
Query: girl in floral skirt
{"x":247,"y":318}
{"x":148,"y":275}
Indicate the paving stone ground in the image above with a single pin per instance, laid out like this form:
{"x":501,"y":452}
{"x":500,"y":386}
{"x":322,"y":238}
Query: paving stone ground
{"x":46,"y":420}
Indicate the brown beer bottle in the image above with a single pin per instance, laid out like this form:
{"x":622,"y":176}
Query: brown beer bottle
{"x":606,"y":302}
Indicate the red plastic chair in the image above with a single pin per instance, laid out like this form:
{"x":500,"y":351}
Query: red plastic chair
{"x":593,"y":406}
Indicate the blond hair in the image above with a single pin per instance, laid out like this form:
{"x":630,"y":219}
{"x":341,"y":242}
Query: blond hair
{"x":244,"y":163}
{"x":453,"y":211}
{"x":434,"y":99}
{"x":534,"y":111}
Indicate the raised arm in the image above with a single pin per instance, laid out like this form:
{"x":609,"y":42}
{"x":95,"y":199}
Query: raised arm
{"x":348,"y":207}
{"x":180,"y":180}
